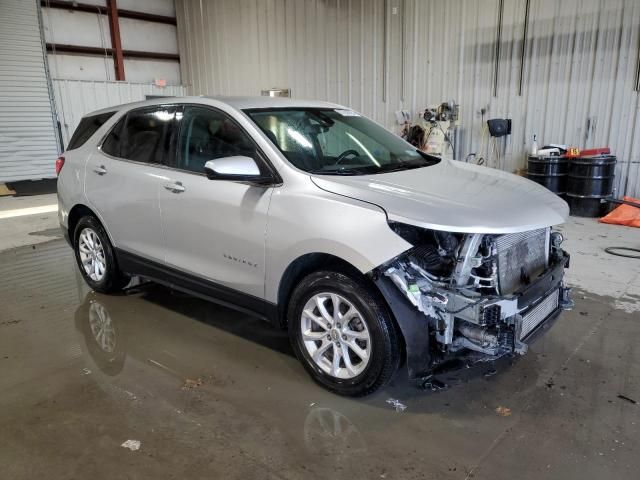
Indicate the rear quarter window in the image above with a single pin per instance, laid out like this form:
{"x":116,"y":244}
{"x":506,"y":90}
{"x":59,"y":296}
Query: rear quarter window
{"x":88,"y":126}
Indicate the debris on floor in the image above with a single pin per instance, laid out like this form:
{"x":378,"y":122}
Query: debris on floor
{"x":431,"y":383}
{"x":490,"y":373}
{"x":189,"y":383}
{"x":132,"y":445}
{"x":630,"y":400}
{"x":396,"y":404}
{"x":503,"y":411}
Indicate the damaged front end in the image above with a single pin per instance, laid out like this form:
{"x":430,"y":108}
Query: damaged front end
{"x":473,"y":296}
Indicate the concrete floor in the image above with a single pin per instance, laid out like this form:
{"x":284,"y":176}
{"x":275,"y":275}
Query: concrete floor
{"x":19,"y":226}
{"x":212,"y":393}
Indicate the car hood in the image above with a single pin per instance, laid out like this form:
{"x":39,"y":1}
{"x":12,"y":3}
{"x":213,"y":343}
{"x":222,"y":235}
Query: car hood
{"x":456,"y":197}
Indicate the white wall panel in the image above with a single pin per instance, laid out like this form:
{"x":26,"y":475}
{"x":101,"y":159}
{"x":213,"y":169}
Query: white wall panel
{"x":67,"y":27}
{"x":75,"y":98}
{"x":157,"y":7}
{"x":145,"y":71}
{"x":81,"y":67}
{"x":579,"y":66}
{"x":148,"y":36}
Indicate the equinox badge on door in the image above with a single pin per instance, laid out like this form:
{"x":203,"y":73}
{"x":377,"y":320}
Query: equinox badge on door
{"x":240,"y":260}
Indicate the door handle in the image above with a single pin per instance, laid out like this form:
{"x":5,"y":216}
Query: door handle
{"x":100,"y":170}
{"x":175,"y":187}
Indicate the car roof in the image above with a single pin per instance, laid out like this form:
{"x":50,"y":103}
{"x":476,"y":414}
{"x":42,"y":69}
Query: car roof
{"x":238,"y":103}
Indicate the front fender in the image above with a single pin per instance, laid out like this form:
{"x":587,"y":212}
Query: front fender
{"x":414,"y":326}
{"x":309,"y":220}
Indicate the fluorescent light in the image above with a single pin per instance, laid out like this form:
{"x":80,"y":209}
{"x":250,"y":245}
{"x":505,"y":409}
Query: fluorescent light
{"x":299,"y":138}
{"x":363,"y":148}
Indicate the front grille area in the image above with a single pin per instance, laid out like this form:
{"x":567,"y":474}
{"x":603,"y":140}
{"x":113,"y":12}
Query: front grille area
{"x":521,"y":258}
{"x":537,"y":314}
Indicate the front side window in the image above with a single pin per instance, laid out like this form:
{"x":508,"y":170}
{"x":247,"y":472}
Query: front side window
{"x":143,"y":135}
{"x":207,"y":134}
{"x":337,"y":142}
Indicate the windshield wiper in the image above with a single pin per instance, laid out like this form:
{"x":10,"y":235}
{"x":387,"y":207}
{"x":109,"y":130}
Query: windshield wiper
{"x":403,"y":166}
{"x":343,"y":171}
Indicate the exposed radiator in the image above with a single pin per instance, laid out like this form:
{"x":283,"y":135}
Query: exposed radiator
{"x":521,"y":257}
{"x":537,"y":314}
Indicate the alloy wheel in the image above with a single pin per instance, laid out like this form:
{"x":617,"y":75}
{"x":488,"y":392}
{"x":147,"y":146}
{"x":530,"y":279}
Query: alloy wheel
{"x":92,"y":254}
{"x":335,"y":335}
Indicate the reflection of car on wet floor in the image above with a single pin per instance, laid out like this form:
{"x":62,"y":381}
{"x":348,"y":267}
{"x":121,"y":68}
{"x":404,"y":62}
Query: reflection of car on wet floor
{"x":141,"y":348}
{"x":306,"y":214}
{"x":144,"y":325}
{"x":139,"y":333}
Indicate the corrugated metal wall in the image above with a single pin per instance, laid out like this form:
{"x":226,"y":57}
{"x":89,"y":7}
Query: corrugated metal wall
{"x":579,"y":72}
{"x":28,"y":145}
{"x":76,"y":98}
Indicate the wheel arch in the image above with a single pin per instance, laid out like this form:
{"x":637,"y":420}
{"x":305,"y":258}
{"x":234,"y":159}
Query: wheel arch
{"x":312,"y":262}
{"x":300,"y":268}
{"x":75,"y":214}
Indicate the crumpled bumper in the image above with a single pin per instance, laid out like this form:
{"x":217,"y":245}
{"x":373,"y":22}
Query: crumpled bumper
{"x":528,"y":313}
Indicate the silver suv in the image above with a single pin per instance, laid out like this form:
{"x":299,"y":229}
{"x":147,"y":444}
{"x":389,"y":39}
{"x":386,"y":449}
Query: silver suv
{"x":319,"y":220}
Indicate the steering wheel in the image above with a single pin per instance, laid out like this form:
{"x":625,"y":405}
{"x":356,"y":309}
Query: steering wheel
{"x":345,"y":154}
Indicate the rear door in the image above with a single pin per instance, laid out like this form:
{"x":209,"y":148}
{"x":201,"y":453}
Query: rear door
{"x":215,"y":229}
{"x":123,"y":178}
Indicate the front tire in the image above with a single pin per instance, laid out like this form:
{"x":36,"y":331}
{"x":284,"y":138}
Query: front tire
{"x":343,"y":334}
{"x":95,"y":257}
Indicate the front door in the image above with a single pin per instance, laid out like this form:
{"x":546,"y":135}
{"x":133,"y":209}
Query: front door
{"x":123,"y":178}
{"x":214,"y":229}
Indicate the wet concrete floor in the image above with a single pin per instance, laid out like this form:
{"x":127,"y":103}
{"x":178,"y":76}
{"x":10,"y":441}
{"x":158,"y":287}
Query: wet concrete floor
{"x":211,"y":393}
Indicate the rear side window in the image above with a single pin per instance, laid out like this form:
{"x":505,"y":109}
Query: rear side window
{"x":88,"y":126}
{"x":143,"y":135}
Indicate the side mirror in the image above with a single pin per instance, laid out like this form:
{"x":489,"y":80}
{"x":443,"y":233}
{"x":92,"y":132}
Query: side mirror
{"x":237,"y":168}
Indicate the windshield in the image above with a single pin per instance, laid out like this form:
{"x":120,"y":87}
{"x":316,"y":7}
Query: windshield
{"x":337,"y":142}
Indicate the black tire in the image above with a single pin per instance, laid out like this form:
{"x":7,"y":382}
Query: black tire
{"x":385,"y":343}
{"x":113,"y":280}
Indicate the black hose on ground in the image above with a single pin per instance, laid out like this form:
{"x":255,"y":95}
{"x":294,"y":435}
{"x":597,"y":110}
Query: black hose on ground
{"x":616,"y":251}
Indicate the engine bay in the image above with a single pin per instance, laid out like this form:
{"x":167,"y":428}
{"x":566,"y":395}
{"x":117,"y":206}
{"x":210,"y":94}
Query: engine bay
{"x":481,"y":293}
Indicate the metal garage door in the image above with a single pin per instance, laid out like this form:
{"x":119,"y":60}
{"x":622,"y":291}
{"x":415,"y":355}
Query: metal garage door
{"x":28,"y":146}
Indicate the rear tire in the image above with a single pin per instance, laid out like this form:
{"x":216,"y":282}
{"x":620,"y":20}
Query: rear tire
{"x":343,"y":333}
{"x":96,"y":258}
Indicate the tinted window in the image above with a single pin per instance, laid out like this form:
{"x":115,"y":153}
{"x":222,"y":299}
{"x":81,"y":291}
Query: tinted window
{"x":143,"y":136}
{"x":88,"y":126}
{"x":111,"y":144}
{"x":207,"y":134}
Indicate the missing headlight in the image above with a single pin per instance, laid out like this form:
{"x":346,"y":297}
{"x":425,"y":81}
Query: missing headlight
{"x":433,"y":252}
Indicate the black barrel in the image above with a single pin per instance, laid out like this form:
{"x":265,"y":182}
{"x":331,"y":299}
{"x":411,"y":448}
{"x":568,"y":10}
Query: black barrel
{"x":590,"y":180}
{"x":550,"y":172}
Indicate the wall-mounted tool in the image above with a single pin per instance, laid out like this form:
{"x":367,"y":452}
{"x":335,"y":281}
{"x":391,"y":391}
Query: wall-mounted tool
{"x":403,"y":117}
{"x":499,"y":127}
{"x":442,"y":122}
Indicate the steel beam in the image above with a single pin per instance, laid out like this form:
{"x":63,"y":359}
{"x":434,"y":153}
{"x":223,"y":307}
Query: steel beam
{"x":116,"y":42}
